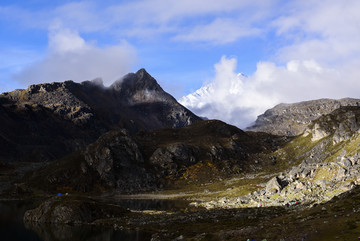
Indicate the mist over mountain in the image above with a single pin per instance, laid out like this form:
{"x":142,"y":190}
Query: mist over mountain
{"x":225,"y":98}
{"x":238,"y":99}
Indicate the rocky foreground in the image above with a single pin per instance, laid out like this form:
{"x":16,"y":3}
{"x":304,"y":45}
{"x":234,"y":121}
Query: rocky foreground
{"x":337,"y":219}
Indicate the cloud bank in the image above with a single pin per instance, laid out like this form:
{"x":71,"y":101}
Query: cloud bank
{"x":238,"y":100}
{"x":70,"y":57}
{"x":318,"y":57}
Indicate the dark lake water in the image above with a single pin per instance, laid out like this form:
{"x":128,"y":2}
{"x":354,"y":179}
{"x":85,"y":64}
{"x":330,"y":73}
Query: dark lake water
{"x":12,"y":227}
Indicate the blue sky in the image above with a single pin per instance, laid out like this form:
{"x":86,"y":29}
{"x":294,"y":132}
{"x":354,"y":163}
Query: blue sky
{"x":168,"y":38}
{"x":289,"y":50}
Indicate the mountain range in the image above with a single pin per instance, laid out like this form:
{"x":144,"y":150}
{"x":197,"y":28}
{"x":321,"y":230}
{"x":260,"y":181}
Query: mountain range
{"x":133,"y":137}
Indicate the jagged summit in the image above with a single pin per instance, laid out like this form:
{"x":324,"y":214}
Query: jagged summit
{"x":136,"y":81}
{"x":140,"y":87}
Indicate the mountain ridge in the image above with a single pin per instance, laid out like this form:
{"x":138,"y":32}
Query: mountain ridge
{"x":38,"y":120}
{"x":292,"y":119}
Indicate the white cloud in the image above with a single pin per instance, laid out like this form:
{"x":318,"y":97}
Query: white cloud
{"x":84,"y":16}
{"x":220,"y":31}
{"x":167,"y":11}
{"x":217,"y":22}
{"x":318,"y":57}
{"x":66,"y":40}
{"x":327,"y":31}
{"x":238,"y":100}
{"x":71,"y":57}
{"x":214,"y":22}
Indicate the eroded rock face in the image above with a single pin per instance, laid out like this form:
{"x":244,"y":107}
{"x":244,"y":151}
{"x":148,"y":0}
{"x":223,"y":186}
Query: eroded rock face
{"x":173,"y":159}
{"x":341,"y":123}
{"x":119,"y":163}
{"x":293,"y":119}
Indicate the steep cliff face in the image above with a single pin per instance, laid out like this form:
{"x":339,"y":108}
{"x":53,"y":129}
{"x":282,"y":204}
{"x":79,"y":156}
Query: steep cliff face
{"x":47,"y":121}
{"x":292,"y":119}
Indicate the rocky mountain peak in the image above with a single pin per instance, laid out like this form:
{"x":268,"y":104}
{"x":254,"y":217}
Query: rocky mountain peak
{"x":132,"y":82}
{"x":43,"y":117}
{"x":140,"y":87}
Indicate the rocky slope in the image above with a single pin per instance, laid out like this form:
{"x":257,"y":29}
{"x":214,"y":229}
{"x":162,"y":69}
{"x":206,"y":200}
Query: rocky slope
{"x":150,"y":160}
{"x":47,"y":121}
{"x":292,"y":119}
{"x":325,"y":162}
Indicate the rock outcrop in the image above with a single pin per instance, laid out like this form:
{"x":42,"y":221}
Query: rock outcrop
{"x":72,"y":210}
{"x":293,"y":119}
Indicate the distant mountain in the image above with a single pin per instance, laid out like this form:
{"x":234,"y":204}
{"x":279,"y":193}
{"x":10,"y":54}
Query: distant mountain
{"x":292,"y":119}
{"x":204,"y":97}
{"x":47,"y":121}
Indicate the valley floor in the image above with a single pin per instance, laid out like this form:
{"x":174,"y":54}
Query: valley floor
{"x":337,"y":219}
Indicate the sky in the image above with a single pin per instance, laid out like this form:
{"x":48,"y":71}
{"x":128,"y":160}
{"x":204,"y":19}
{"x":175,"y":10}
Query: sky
{"x":287,"y":51}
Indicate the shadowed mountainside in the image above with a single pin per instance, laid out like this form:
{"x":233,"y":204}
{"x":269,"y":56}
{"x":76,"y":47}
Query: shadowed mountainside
{"x":150,"y":160}
{"x":48,"y":121}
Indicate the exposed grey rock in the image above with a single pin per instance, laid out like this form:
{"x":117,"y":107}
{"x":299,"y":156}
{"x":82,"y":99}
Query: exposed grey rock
{"x":173,"y":159}
{"x":117,"y":160}
{"x":346,"y":162}
{"x":328,"y":168}
{"x":341,"y":174}
{"x":292,"y":119}
{"x":318,"y":133}
{"x":273,"y":186}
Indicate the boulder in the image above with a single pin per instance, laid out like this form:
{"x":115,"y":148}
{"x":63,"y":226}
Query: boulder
{"x":273,"y":186}
{"x":318,"y":133}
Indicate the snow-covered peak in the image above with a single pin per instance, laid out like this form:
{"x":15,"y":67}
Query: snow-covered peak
{"x":208,"y":92}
